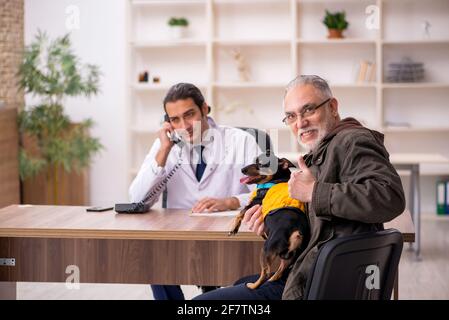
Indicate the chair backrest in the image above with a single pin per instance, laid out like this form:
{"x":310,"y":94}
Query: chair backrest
{"x":262,"y":139}
{"x":356,"y":267}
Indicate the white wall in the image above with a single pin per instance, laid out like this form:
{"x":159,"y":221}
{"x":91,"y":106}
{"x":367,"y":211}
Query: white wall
{"x":99,"y":40}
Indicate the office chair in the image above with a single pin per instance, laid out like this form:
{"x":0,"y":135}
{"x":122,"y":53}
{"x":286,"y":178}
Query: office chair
{"x":262,"y":139}
{"x":343,"y":268}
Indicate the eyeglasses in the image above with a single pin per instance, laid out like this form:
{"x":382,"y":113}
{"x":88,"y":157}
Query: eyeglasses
{"x":307,"y":111}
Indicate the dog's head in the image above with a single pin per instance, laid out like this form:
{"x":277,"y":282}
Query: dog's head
{"x":266,"y":168}
{"x":287,"y":230}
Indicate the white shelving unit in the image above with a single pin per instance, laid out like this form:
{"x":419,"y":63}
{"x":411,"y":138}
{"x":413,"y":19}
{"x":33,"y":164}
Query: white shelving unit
{"x":280,"y":39}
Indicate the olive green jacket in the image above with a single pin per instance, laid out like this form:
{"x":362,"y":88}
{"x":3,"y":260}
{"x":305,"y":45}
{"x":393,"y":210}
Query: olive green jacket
{"x":356,"y":190}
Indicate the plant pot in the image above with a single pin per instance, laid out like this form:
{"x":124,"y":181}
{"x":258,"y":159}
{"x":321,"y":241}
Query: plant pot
{"x":54,"y":186}
{"x":72,"y":188}
{"x":178,"y":32}
{"x":335,"y":34}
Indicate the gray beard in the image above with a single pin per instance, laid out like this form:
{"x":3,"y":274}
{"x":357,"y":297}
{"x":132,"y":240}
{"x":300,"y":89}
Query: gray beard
{"x":311,"y":147}
{"x":322,"y":132}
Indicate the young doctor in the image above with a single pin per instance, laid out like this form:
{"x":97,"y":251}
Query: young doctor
{"x":204,"y":168}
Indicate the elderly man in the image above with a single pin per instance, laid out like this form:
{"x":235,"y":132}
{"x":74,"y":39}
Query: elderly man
{"x":346,"y":180}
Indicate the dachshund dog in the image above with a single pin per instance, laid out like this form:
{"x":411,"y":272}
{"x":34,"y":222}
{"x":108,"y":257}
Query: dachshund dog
{"x":286,"y":224}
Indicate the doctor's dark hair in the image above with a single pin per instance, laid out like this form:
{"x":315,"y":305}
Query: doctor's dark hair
{"x":182,"y":91}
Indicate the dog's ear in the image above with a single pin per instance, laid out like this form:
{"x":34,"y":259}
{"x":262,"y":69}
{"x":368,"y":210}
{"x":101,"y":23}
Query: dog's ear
{"x":285,"y":163}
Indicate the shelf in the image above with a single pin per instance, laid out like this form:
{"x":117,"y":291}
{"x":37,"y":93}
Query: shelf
{"x":246,"y":2}
{"x":352,"y":85}
{"x":412,"y":42}
{"x":168,"y":43}
{"x":158,"y":87}
{"x":244,"y":85}
{"x":421,"y":85}
{"x":138,"y":3}
{"x":414,"y":129}
{"x":251,"y":42}
{"x":150,"y":87}
{"x":337,"y":41}
{"x":327,"y":2}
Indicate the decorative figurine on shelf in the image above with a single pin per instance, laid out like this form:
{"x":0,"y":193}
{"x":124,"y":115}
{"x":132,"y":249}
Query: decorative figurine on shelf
{"x":242,"y":67}
{"x":156,"y":79}
{"x":426,"y":29}
{"x":143,"y":76}
{"x":178,"y":27}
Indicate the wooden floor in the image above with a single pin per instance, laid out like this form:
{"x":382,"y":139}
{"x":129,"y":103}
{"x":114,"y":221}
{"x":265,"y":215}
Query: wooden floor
{"x":429,"y":278}
{"x":426,"y":279}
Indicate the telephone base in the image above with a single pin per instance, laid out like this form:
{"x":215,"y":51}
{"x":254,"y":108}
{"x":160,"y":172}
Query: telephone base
{"x":135,"y":207}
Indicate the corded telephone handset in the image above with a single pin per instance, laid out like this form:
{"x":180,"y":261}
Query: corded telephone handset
{"x":143,"y":206}
{"x":173,"y":136}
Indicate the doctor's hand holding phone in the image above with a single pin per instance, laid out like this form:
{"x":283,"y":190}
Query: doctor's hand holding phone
{"x":168,"y":138}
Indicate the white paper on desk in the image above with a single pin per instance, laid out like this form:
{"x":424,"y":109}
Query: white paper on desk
{"x":232,"y":213}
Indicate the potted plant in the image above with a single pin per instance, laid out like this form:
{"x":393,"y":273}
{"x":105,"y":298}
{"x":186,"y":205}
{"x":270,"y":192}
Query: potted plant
{"x":178,"y":27}
{"x":335,"y":23}
{"x":51,"y":143}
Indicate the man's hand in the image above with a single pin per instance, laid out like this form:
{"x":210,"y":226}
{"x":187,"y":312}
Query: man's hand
{"x":253,"y":217}
{"x":214,"y":204}
{"x":166,"y":144}
{"x":163,"y":132}
{"x":301,"y":183}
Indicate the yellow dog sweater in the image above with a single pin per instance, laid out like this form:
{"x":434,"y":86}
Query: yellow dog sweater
{"x":276,"y":197}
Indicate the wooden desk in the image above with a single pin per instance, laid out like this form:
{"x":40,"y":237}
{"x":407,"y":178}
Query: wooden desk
{"x":160,"y":247}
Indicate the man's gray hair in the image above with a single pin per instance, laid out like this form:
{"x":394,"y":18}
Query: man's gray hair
{"x":317,"y":82}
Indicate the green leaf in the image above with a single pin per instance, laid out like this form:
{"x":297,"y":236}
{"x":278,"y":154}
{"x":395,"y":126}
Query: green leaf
{"x":29,"y":166}
{"x":336,"y":20}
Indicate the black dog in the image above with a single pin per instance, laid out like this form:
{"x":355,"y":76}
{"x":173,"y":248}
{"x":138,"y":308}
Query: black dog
{"x":286,"y":225}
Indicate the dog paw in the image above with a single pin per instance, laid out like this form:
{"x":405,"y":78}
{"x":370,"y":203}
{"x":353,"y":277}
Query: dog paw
{"x":252,"y":286}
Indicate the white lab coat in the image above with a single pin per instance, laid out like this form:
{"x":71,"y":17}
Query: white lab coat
{"x":232,"y":149}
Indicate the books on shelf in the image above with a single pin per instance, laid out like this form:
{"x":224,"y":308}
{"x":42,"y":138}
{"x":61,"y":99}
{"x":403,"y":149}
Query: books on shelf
{"x":446,"y":207}
{"x":367,"y":72}
{"x":443,"y":197}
